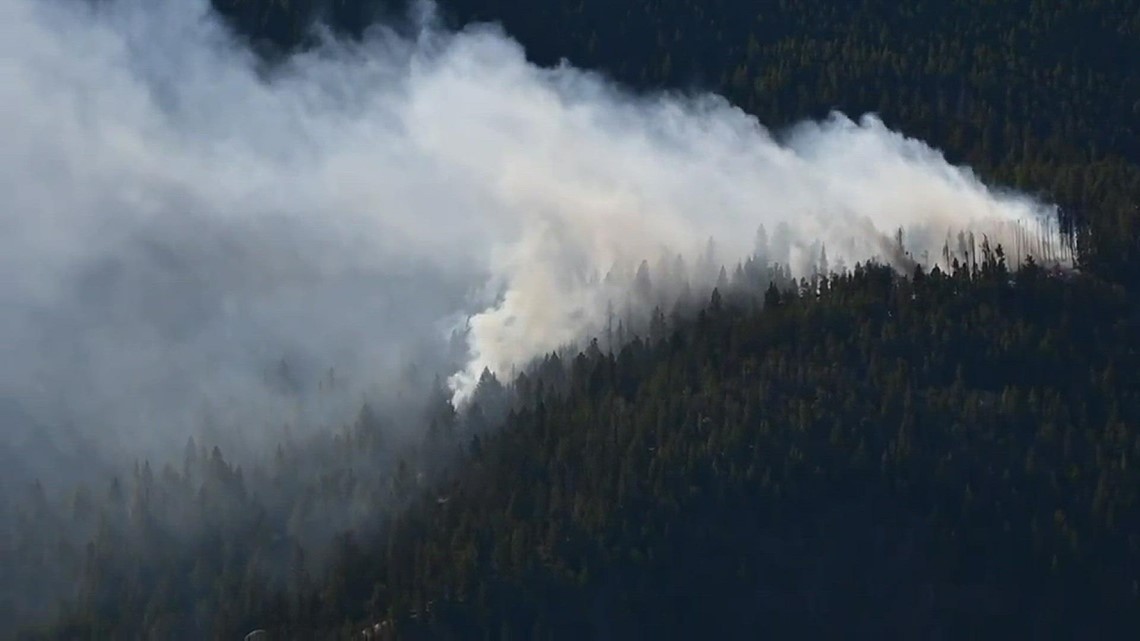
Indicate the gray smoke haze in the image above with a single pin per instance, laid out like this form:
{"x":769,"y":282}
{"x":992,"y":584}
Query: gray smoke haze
{"x":187,"y":237}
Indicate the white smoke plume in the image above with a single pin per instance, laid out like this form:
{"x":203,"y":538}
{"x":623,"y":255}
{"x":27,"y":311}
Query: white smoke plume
{"x":177,"y":219}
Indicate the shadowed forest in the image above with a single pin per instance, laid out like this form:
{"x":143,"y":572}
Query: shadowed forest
{"x":874,"y":453}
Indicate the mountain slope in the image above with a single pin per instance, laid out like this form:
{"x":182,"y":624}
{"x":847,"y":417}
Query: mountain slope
{"x":933,"y":455}
{"x":944,"y":455}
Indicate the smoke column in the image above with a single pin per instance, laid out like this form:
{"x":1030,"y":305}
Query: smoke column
{"x":186,"y":234}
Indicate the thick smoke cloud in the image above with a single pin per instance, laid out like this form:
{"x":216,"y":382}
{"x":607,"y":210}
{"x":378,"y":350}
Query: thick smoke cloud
{"x":189,"y":238}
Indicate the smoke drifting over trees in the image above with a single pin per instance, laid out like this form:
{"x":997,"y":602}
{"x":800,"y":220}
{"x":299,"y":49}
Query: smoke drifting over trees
{"x":187,"y":230}
{"x":198,"y":244}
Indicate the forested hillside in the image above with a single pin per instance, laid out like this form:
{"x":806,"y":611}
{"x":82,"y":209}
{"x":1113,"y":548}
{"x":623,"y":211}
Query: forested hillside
{"x":936,"y":455}
{"x":942,"y":456}
{"x":867,"y":454}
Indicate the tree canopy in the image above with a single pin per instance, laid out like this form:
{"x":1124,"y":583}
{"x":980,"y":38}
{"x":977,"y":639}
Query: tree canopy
{"x":863,"y":453}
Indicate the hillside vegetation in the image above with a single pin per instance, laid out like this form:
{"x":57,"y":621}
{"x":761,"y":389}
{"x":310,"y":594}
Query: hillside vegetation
{"x":870,"y":454}
{"x":939,"y":454}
